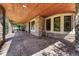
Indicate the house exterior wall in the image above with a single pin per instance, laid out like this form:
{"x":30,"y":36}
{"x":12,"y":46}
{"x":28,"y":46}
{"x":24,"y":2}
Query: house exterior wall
{"x":69,"y":36}
{"x":36,"y":27}
{"x":27,"y":27}
{"x":40,"y":27}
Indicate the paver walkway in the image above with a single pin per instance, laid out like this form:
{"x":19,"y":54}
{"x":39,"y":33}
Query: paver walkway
{"x":25,"y":44}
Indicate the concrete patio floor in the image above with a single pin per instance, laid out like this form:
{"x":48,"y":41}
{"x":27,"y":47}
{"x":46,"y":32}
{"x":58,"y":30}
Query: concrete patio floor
{"x":25,"y":44}
{"x":6,"y":45}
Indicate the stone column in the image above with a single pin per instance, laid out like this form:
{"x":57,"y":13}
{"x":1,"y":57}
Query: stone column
{"x":77,"y":28}
{"x":41,"y":26}
{"x":1,"y":30}
{"x":9,"y":26}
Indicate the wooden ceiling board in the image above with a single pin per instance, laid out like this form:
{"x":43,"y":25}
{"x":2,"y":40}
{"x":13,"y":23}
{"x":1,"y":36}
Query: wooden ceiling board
{"x":17,"y":13}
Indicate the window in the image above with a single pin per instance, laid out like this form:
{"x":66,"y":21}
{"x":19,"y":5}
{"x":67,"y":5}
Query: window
{"x":67,"y":23}
{"x":32,"y":25}
{"x":48,"y":24}
{"x":57,"y":24}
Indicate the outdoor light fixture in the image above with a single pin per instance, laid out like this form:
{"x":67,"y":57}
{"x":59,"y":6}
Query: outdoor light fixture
{"x":24,"y":6}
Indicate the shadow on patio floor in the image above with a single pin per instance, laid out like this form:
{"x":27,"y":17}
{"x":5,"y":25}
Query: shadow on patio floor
{"x":24,"y":44}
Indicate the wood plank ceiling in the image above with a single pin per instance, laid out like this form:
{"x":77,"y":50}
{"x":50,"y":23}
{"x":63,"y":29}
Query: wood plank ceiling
{"x":18,"y":13}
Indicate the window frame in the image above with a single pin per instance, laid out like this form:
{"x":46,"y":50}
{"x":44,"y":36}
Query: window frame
{"x":59,"y":24}
{"x":46,"y":25}
{"x":32,"y":25}
{"x":70,"y":23}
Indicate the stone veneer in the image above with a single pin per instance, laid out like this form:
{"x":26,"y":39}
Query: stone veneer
{"x":39,"y":26}
{"x":40,"y":31}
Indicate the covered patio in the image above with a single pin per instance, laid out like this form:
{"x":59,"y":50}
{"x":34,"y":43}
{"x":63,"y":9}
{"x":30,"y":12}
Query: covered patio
{"x":46,"y":25}
{"x":25,"y":44}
